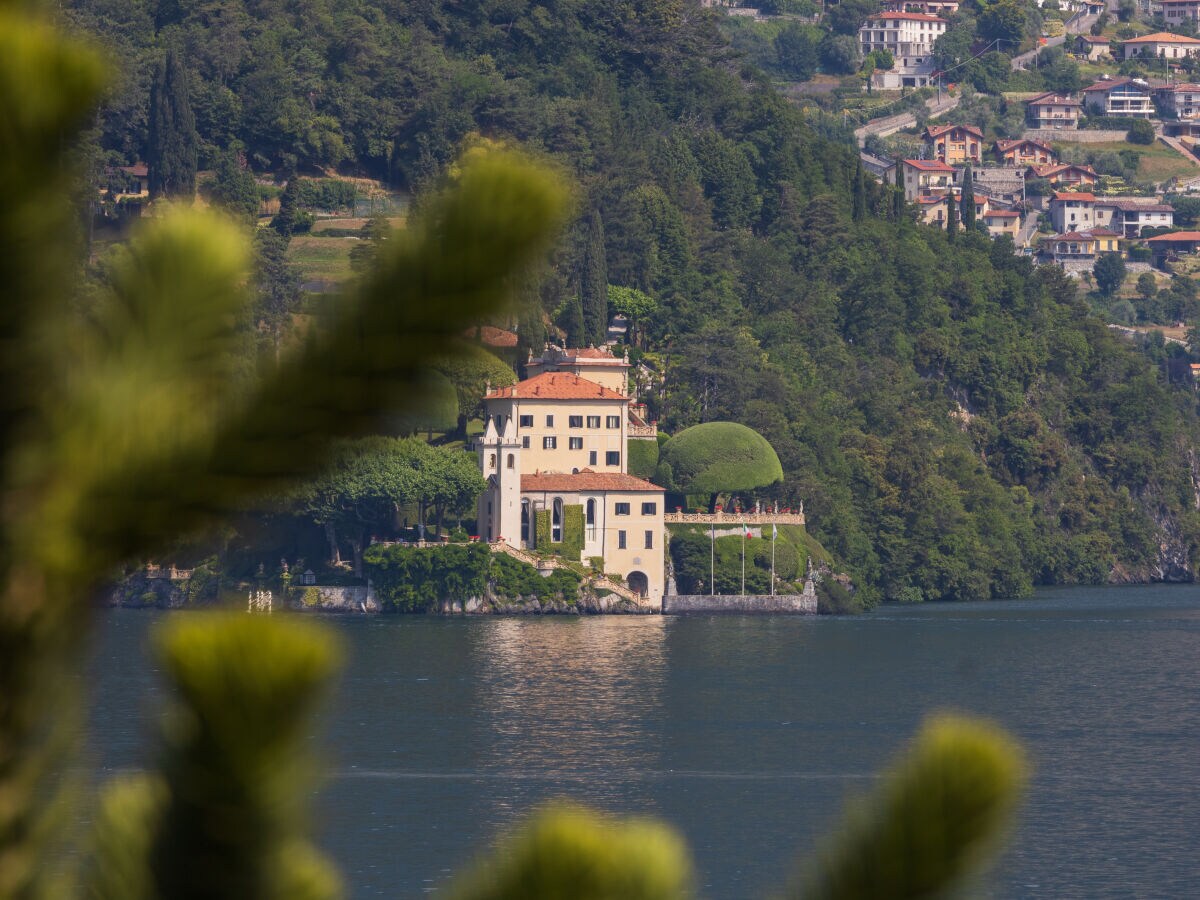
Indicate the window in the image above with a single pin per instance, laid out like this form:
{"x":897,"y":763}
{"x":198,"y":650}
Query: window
{"x":613,"y":422}
{"x":649,"y":540}
{"x":549,"y":421}
{"x":575,"y":421}
{"x":491,"y":460}
{"x":593,"y":421}
{"x":549,"y":443}
{"x":525,"y":442}
{"x":525,"y":535}
{"x":612,"y":458}
{"x":556,"y":517}
{"x":620,"y":540}
{"x":526,"y":421}
{"x":621,"y":509}
{"x":512,"y":461}
{"x":592,"y":457}
{"x":575,"y":443}
{"x":649,"y":509}
{"x":591,"y":514}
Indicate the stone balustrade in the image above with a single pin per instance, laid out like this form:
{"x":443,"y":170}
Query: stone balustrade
{"x":736,"y":518}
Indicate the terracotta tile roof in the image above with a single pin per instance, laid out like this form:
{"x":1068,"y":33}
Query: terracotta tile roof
{"x":1103,"y":232}
{"x":906,"y":16}
{"x":935,"y":131}
{"x":1092,"y":38}
{"x":1162,"y":37}
{"x":1175,"y":88}
{"x":1073,"y":236}
{"x":1110,"y":84}
{"x":555,"y":386}
{"x":1075,"y":195}
{"x":1176,"y":236}
{"x":585,"y":480}
{"x":1055,"y":168}
{"x":1002,"y":214}
{"x":931,"y":200}
{"x":1127,"y":206}
{"x":1004,"y":145}
{"x":929,"y":165}
{"x":1052,"y":98}
{"x":137,"y":170}
{"x":589,"y":353}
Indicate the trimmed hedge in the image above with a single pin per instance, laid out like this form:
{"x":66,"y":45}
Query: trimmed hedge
{"x":642,"y":456}
{"x":717,"y":457}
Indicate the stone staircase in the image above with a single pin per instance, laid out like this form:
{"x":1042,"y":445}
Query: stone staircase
{"x":549,"y":562}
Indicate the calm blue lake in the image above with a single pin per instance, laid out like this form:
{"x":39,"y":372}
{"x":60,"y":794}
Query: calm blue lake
{"x":745,"y":733}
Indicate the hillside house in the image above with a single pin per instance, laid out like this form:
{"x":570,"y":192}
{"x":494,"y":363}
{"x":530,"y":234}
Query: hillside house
{"x":1178,"y":101}
{"x":1130,"y":216}
{"x":1053,"y":110}
{"x":1160,"y":45}
{"x":924,"y":177}
{"x":1127,"y":98}
{"x":909,"y":37}
{"x":1024,"y":152}
{"x":1166,"y":247}
{"x":1092,"y":47}
{"x":929,"y":7}
{"x":1175,"y":12}
{"x":1073,"y":211}
{"x":1064,"y":174}
{"x":1080,"y":247}
{"x":553,"y":456}
{"x":954,"y":144}
{"x":1002,"y":221}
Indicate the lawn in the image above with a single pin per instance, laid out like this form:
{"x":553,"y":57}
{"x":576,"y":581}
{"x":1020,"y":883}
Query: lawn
{"x":321,"y":258}
{"x":1158,"y":162}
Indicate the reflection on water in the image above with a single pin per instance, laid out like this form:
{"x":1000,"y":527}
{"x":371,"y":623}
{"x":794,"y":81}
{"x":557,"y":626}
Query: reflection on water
{"x":747,"y":734}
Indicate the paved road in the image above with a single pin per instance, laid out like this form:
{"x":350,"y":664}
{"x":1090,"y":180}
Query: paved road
{"x":1076,"y":25}
{"x":1180,"y":148}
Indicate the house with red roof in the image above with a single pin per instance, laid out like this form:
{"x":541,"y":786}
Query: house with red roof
{"x":1073,"y":211}
{"x":1178,"y":101}
{"x":1160,"y":45}
{"x":1053,"y":110}
{"x":954,"y":144}
{"x":1064,"y":174}
{"x":924,"y":177}
{"x":1092,"y":47}
{"x":553,"y":454}
{"x":909,"y":36}
{"x":1127,"y":98}
{"x":1171,"y":246}
{"x":1079,"y":249}
{"x":1024,"y":152}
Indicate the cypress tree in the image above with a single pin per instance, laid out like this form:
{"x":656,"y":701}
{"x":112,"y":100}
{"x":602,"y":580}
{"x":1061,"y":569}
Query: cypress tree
{"x":289,"y":206}
{"x":968,"y":201}
{"x":593,"y":283}
{"x":573,"y":324}
{"x":951,"y":218}
{"x":171,"y":149}
{"x":858,"y":193}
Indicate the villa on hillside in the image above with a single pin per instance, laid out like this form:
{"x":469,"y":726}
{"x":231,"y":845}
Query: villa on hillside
{"x":1024,"y":152}
{"x":1053,"y":110}
{"x":954,"y":143}
{"x":1178,"y":101}
{"x":1064,"y":174}
{"x":1176,"y":11}
{"x":1092,"y":47}
{"x":1126,"y":98}
{"x":909,"y":37}
{"x":553,"y":454}
{"x":1160,"y":45}
{"x":1079,"y":249}
{"x":924,"y":177}
{"x":929,"y":7}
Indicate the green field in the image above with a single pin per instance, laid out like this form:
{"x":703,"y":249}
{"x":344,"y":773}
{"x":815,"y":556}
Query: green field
{"x":321,"y":258}
{"x":1157,"y":163}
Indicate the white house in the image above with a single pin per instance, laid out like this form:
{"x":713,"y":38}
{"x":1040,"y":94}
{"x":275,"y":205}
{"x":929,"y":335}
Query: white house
{"x":909,"y":37}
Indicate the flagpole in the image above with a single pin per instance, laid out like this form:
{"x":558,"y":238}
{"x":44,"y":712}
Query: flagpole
{"x":743,"y":559}
{"x":712,"y":562}
{"x":774,"y":534}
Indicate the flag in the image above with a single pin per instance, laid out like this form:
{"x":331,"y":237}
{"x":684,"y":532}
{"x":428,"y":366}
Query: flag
{"x":774,"y":531}
{"x":747,"y":527}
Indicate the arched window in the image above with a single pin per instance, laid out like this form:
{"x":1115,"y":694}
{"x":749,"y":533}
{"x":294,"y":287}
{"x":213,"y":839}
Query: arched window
{"x":512,"y":461}
{"x":556,"y":521}
{"x":591,"y":519}
{"x":525,"y":535}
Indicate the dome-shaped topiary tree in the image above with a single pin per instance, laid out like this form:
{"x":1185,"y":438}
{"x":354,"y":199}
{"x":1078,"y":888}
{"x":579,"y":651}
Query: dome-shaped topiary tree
{"x":716,"y":458}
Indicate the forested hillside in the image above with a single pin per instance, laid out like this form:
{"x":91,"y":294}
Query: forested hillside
{"x":955,"y":422}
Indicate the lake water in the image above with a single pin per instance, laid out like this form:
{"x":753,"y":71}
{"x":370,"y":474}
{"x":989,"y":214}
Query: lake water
{"x":745,"y":733}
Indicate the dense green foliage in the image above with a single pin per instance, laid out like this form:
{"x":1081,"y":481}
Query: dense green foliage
{"x":716,"y":458}
{"x":956,"y":422}
{"x":171,"y":141}
{"x":694,"y":562}
{"x":417,"y":579}
{"x":642,"y":457}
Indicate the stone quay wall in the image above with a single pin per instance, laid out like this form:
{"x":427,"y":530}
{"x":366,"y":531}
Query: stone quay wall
{"x":779,"y":604}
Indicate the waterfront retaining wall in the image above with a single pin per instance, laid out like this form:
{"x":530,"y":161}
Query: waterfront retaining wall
{"x":793,"y":604}
{"x":335,"y":598}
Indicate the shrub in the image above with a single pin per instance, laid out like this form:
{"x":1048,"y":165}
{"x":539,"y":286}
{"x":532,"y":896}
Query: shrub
{"x":417,"y":579}
{"x":717,"y":457}
{"x":642,"y":456}
{"x":1140,"y":132}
